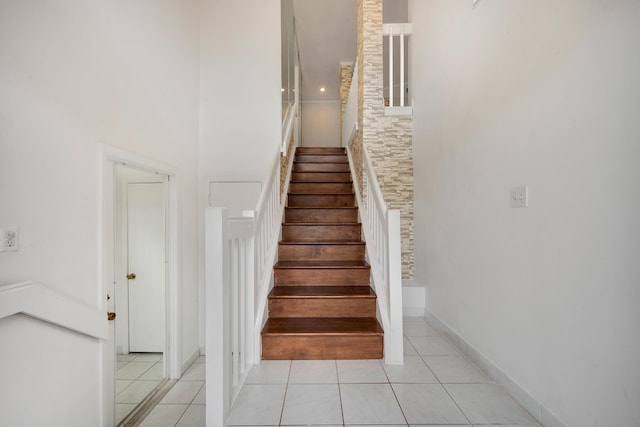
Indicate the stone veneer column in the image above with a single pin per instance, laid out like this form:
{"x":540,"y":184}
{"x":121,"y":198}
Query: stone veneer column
{"x":388,"y":139}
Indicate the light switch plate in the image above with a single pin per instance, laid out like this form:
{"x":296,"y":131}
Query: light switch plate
{"x":520,"y":197}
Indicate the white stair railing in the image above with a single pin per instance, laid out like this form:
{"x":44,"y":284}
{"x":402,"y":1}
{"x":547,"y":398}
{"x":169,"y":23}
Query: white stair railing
{"x":381,"y":228}
{"x":396,"y":62}
{"x":350,"y":116}
{"x":239,"y":258}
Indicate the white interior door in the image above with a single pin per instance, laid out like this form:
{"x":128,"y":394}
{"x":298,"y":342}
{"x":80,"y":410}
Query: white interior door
{"x":146,"y":260}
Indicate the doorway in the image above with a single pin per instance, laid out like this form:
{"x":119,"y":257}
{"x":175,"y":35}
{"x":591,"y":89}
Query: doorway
{"x":140,"y":286}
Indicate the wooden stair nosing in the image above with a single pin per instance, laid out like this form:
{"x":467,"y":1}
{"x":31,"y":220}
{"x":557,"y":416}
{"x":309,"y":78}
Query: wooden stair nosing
{"x":322,"y":325}
{"x":339,"y":265}
{"x":321,"y":177}
{"x":320,"y":200}
{"x":320,"y":215}
{"x":309,"y":232}
{"x":331,"y":188}
{"x":321,"y":292}
{"x":320,"y":167}
{"x":321,"y":149}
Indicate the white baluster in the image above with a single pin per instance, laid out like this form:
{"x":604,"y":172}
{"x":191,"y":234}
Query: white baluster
{"x":402,"y":67}
{"x":390,"y":67}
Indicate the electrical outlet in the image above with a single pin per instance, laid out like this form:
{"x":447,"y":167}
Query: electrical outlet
{"x":520,"y":197}
{"x":9,"y":239}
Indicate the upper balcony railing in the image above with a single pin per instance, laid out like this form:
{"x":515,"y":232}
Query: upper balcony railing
{"x":396,"y":39}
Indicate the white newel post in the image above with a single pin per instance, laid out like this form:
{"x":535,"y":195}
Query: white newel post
{"x":394,"y":351}
{"x":217,"y":312}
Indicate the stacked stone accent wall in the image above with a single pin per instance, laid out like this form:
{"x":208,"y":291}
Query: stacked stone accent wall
{"x":388,"y":139}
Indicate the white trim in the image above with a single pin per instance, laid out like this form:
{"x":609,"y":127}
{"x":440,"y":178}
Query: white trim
{"x":398,"y":111}
{"x":52,"y":306}
{"x":515,"y":390}
{"x":398,"y":28}
{"x":190,"y":360}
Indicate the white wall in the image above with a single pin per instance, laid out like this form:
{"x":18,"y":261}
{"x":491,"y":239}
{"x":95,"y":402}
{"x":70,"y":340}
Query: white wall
{"x":543,"y":93}
{"x":320,"y":124}
{"x":73,"y":75}
{"x":240,"y":102}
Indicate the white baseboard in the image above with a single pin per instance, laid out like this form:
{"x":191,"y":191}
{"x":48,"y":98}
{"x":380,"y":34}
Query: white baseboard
{"x":192,"y":358}
{"x":515,"y":390}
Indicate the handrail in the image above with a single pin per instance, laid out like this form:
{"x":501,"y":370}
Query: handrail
{"x":52,"y":306}
{"x":381,"y":228}
{"x":267,"y":226}
{"x":287,"y":126}
{"x":350,"y":116}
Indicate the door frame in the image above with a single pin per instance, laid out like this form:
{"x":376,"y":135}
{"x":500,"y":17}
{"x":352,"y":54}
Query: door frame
{"x":109,"y":157}
{"x":122,"y":250}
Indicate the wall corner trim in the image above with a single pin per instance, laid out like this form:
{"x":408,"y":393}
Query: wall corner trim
{"x":49,"y":305}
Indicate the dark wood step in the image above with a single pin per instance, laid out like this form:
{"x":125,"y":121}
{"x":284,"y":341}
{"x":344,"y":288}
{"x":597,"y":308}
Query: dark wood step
{"x":320,"y":167}
{"x":321,"y":251}
{"x":321,"y":200}
{"x":321,"y":187}
{"x":298,"y":214}
{"x":322,"y":305}
{"x":321,"y":177}
{"x":322,"y":338}
{"x":325,"y":273}
{"x":321,"y":158}
{"x":322,"y":301}
{"x":320,"y":150}
{"x":301,"y":232}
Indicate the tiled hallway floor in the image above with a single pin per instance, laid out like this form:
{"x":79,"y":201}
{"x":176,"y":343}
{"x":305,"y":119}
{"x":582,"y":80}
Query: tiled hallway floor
{"x":137,"y":374}
{"x":183,"y":405}
{"x":436,"y":386}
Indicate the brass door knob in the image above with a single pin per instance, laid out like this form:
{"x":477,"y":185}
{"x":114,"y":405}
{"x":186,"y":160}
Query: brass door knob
{"x":111,"y":315}
{"x":131,"y":276}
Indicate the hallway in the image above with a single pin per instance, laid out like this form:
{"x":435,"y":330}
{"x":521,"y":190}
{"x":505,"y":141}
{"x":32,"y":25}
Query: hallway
{"x":436,"y":386}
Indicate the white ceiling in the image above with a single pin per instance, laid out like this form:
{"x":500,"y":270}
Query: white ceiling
{"x":327,"y":36}
{"x":326,"y":31}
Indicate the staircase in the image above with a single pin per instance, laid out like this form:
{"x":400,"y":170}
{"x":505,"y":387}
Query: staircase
{"x":322,"y":305}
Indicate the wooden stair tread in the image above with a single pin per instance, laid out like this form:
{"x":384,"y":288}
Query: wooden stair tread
{"x":322,"y":292}
{"x":320,"y":149}
{"x":322,"y":326}
{"x":323,"y":207}
{"x":318,"y":193}
{"x":321,"y":264}
{"x":339,"y":162}
{"x":321,"y":224}
{"x":320,"y":242}
{"x":320,"y":182}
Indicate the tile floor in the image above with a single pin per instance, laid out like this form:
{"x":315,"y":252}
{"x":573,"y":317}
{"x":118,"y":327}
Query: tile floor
{"x":436,"y":386}
{"x":137,"y":374}
{"x":183,"y":405}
